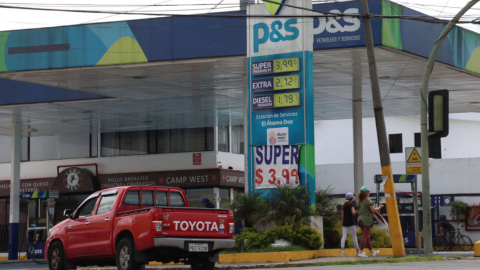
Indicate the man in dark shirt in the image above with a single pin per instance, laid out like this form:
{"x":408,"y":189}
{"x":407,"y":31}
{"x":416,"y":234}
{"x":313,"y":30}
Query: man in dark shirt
{"x":207,"y":203}
{"x":448,"y":228}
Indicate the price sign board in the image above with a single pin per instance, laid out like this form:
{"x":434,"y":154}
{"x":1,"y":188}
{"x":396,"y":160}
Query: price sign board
{"x":280,"y":107}
{"x":276,"y":165}
{"x":276,"y":83}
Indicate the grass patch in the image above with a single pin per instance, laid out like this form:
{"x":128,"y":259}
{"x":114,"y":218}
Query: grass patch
{"x":388,"y":260}
{"x":268,"y":249}
{"x":454,"y":257}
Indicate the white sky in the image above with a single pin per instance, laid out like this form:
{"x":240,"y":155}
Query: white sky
{"x":13,"y":19}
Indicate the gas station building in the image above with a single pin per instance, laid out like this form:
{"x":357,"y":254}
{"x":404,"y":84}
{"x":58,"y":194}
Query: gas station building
{"x":161,"y":102}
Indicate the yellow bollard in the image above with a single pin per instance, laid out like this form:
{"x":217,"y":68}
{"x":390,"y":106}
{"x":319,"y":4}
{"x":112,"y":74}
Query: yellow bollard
{"x":476,"y":248}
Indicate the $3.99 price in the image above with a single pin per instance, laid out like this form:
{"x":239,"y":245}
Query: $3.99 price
{"x":288,"y":177}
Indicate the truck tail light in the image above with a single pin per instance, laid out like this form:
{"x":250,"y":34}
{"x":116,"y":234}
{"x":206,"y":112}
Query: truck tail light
{"x":231,"y":223}
{"x":157,"y":223}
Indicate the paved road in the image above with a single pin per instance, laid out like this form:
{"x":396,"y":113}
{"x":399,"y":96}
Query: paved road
{"x":438,"y":265}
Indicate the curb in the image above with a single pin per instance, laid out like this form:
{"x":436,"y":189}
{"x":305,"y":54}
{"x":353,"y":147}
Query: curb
{"x":288,"y":256}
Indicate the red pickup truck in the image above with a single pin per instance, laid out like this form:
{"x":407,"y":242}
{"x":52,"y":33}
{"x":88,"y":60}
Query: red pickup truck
{"x":130,"y":226}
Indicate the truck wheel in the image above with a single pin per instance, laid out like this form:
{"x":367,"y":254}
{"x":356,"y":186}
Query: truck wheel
{"x":203,"y":264}
{"x":57,"y":260}
{"x":126,"y":255}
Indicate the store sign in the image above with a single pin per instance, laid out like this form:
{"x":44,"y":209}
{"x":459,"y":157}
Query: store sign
{"x":276,"y":165}
{"x":27,"y":186}
{"x":75,"y":179}
{"x":197,"y":158}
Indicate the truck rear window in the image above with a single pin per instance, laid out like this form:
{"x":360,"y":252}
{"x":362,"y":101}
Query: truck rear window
{"x":147,"y":198}
{"x":162,"y":198}
{"x":132,"y":198}
{"x":176,"y":199}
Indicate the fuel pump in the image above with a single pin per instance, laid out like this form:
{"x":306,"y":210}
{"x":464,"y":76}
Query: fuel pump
{"x":40,"y":216}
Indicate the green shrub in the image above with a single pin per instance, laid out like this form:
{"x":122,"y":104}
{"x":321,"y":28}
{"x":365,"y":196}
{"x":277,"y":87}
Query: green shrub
{"x":458,"y":210}
{"x":380,"y":238}
{"x":308,"y":238}
{"x":298,"y":234}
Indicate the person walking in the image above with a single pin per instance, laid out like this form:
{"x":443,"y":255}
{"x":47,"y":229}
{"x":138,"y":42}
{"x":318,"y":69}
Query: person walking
{"x":348,"y":223}
{"x":365,"y":220}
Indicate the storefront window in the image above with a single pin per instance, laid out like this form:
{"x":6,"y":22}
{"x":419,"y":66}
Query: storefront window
{"x":237,"y":140}
{"x":223,"y":143}
{"x":157,"y":141}
{"x":195,"y":196}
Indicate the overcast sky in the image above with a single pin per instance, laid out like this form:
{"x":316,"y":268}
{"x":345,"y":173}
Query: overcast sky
{"x":13,"y":19}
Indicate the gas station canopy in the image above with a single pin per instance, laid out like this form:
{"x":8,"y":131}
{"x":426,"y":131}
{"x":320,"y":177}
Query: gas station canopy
{"x":188,"y":72}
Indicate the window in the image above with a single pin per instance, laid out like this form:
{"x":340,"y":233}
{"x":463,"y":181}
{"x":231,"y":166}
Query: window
{"x":132,"y":198}
{"x":86,"y":209}
{"x":418,"y":140}
{"x":106,"y":204}
{"x":223,"y":143}
{"x":176,"y":199}
{"x":157,"y":141}
{"x":60,"y":147}
{"x":147,"y":198}
{"x":6,"y":146}
{"x":237,"y":140}
{"x":395,"y":142}
{"x":162,"y":198}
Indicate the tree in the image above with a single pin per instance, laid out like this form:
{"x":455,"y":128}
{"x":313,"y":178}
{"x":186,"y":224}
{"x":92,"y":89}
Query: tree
{"x":285,"y":204}
{"x":248,"y":207}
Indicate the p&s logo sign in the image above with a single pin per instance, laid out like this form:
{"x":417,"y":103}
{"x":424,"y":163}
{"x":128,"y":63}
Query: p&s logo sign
{"x":275,"y":32}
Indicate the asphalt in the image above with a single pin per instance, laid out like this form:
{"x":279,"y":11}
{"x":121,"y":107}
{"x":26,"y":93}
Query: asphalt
{"x":465,"y":263}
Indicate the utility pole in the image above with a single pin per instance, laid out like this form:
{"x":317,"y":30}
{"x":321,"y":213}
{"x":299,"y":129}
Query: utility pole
{"x":357,"y":122}
{"x":427,"y":225}
{"x":389,"y":189}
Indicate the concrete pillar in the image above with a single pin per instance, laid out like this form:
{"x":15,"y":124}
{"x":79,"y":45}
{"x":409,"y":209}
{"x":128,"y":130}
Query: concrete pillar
{"x":357,"y":122}
{"x":15,"y":187}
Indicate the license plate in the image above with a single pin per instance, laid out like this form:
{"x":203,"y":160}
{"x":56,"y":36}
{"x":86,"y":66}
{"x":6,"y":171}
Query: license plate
{"x":197,"y":247}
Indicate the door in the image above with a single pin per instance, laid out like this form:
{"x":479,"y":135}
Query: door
{"x":78,"y":229}
{"x":101,"y":226}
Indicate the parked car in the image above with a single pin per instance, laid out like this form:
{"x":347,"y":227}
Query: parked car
{"x":130,"y":226}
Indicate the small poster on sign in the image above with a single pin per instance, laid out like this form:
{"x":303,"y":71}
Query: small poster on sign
{"x":277,"y":136}
{"x":276,"y":165}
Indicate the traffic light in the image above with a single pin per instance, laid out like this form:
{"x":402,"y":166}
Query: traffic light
{"x":438,"y":113}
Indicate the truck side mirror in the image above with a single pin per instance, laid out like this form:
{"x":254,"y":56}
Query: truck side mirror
{"x":67,"y":213}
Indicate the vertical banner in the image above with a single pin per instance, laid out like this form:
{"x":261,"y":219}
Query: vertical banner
{"x":280,"y":96}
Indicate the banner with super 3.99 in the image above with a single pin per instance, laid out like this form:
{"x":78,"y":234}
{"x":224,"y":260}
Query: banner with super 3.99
{"x":276,"y":165}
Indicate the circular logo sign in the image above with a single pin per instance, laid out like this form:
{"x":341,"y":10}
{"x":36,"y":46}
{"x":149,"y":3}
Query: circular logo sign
{"x":72,"y":179}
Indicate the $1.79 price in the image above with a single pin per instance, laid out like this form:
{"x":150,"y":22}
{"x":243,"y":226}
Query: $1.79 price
{"x":287,"y":177}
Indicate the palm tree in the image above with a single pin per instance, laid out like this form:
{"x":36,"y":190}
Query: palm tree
{"x":285,"y":204}
{"x":248,"y":207}
{"x":326,"y":205}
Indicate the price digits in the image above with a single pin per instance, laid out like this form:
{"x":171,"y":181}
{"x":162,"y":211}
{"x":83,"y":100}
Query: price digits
{"x":286,"y":65}
{"x":286,"y":82}
{"x":286,"y":100}
{"x":287,"y":177}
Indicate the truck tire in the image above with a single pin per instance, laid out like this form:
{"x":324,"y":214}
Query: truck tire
{"x":203,"y":264}
{"x":57,"y":260}
{"x":125,"y":258}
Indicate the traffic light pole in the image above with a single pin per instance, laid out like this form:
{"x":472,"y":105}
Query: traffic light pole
{"x":427,"y":226}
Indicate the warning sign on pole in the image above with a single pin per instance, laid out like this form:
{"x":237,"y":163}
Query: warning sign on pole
{"x":413,"y":160}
